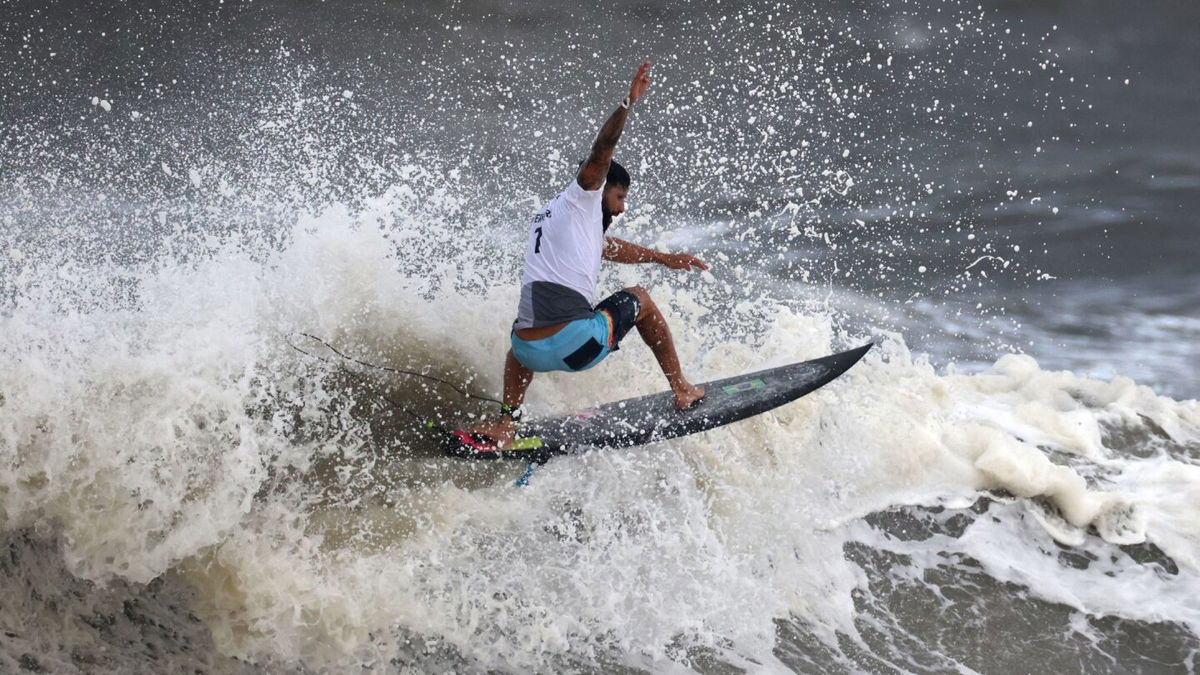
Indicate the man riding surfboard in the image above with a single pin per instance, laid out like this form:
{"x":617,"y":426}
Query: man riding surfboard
{"x":559,"y":326}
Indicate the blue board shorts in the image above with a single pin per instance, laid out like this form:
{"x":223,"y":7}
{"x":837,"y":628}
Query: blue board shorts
{"x":582,"y":343}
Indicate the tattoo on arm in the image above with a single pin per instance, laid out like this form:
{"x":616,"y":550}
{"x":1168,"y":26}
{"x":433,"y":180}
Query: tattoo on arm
{"x":595,"y":170}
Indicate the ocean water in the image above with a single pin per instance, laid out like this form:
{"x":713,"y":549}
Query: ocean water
{"x":1000,"y":195}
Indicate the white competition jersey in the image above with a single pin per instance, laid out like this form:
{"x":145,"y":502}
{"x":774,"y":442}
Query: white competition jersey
{"x":562,"y":259}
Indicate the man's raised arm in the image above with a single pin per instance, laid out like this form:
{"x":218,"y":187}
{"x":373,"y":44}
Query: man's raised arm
{"x":595,"y":169}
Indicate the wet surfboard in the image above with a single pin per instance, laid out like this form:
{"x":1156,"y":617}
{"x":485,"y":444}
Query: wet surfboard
{"x":646,"y":419}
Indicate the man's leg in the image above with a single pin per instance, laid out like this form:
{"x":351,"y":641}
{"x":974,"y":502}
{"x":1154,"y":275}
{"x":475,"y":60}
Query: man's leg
{"x":654,"y":330}
{"x":516,"y":381}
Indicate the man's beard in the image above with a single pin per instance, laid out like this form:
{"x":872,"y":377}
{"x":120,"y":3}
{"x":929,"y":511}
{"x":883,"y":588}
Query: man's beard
{"x":608,"y":218}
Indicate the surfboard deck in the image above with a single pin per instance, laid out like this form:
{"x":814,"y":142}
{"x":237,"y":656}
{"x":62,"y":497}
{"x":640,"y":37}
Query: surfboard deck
{"x":646,"y":419}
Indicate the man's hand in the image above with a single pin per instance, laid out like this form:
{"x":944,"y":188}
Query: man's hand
{"x":681,"y":261}
{"x":641,"y":80}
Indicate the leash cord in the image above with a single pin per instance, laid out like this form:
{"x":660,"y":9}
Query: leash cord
{"x":521,"y":482}
{"x":424,"y":422}
{"x":389,"y":369}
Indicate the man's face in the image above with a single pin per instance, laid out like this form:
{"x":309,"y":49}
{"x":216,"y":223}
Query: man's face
{"x":613,"y":203}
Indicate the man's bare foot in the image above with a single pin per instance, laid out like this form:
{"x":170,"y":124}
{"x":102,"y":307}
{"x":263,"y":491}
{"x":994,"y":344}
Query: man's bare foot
{"x":688,"y":397}
{"x":501,"y":431}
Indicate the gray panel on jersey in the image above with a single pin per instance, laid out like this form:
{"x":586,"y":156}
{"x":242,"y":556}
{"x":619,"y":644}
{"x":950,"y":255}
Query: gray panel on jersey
{"x":545,"y":303}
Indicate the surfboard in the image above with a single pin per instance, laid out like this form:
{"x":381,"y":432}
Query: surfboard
{"x":646,"y":419}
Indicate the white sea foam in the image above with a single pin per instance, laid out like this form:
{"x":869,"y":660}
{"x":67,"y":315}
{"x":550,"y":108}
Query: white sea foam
{"x":155,"y":426}
{"x":157,"y":421}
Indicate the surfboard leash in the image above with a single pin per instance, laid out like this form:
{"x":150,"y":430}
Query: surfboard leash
{"x":426,"y":423}
{"x":457,"y":438}
{"x":389,"y":369}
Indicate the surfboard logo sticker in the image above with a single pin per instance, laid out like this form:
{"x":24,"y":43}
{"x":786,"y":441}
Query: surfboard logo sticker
{"x":743,"y":386}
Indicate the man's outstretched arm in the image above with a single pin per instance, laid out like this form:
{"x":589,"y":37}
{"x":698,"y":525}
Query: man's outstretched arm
{"x":621,"y":251}
{"x":595,"y":169}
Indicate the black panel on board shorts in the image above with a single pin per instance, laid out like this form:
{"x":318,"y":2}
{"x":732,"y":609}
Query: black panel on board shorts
{"x":624,"y":307}
{"x":584,"y":355}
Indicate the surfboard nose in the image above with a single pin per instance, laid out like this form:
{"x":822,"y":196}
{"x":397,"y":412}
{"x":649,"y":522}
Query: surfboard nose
{"x":842,"y":361}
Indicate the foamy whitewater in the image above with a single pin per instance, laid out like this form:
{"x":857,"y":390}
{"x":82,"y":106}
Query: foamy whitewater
{"x":189,"y":482}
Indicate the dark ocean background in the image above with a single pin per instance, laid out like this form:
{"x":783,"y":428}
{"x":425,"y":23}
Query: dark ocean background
{"x":185,"y":186}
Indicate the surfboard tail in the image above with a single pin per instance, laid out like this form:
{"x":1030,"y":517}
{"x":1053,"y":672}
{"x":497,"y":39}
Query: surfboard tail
{"x":468,"y":445}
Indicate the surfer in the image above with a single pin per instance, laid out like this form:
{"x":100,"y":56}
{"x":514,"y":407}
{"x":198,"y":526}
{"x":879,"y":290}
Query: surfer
{"x":558,"y":325}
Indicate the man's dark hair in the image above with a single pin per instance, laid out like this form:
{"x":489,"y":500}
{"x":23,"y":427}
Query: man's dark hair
{"x":617,"y":175}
